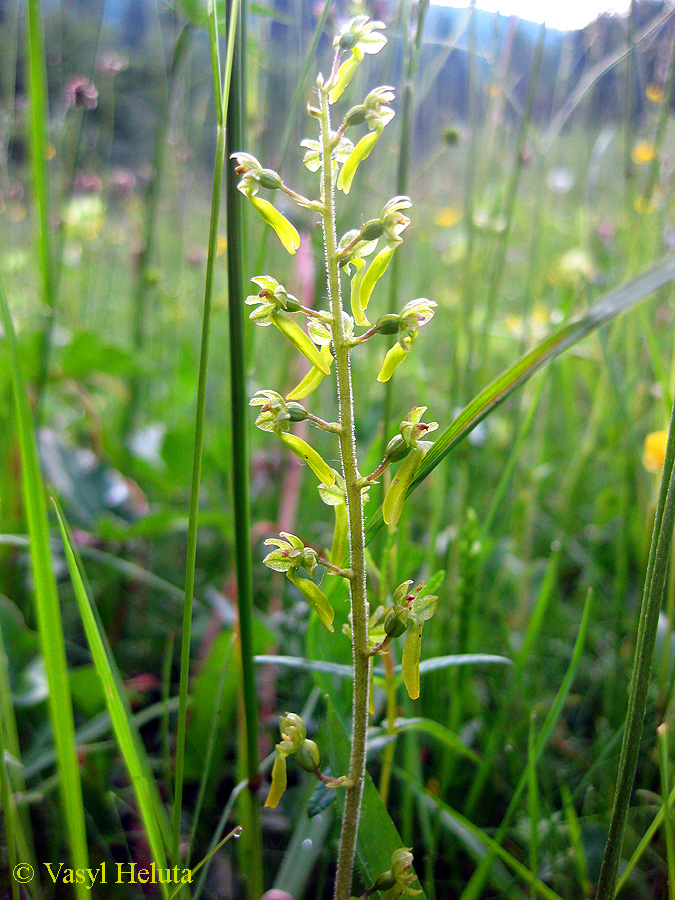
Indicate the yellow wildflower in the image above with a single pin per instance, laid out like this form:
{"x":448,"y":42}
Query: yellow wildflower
{"x":654,"y":92}
{"x":447,"y":217}
{"x":642,"y":153}
{"x":655,"y":451}
{"x":222,"y":244}
{"x":644,"y":206}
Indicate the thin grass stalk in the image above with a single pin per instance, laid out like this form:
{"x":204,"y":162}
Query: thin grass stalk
{"x":475,"y":886}
{"x":629,"y":171}
{"x":412,"y":57}
{"x":57,"y":258}
{"x":208,"y":755}
{"x":235,"y":138}
{"x":9,"y":735}
{"x":50,"y":626}
{"x":12,"y":828}
{"x":141,"y":289}
{"x":657,"y":568}
{"x":664,"y":768}
{"x":511,"y":195}
{"x":463,"y":388}
{"x":499,"y":726}
{"x":645,"y":841}
{"x":39,"y":141}
{"x":191,"y":555}
{"x":241,"y":787}
{"x":300,"y":93}
{"x":592,"y":76}
{"x":239,"y":403}
{"x":18,"y":833}
{"x":533,"y":806}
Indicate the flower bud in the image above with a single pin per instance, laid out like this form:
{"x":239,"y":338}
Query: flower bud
{"x":296,"y":412}
{"x":372,"y":230}
{"x":293,"y":731}
{"x":396,"y":449}
{"x":270,"y":179}
{"x":384,"y":882}
{"x":347,"y":40}
{"x":308,"y":756}
{"x":388,"y":324}
{"x":355,"y":116}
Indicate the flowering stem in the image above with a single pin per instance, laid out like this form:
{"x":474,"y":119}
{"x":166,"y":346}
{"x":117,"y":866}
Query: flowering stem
{"x":357,"y":584}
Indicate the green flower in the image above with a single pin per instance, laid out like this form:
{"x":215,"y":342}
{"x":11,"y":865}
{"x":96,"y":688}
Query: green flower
{"x":412,"y":317}
{"x":294,"y":742}
{"x":270,"y":300}
{"x":276,"y":413}
{"x":398,"y":879}
{"x":363,"y":33}
{"x":253,"y":177}
{"x":290,"y":556}
{"x":312,"y":158}
{"x":361,"y":36}
{"x":412,"y":429}
{"x":392,"y":219}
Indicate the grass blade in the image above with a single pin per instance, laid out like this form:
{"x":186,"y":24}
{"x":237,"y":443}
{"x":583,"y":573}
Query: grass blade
{"x":657,"y":568}
{"x":39,"y":120}
{"x":604,"y":310}
{"x":221,"y":94}
{"x":479,"y":877}
{"x":129,"y":741}
{"x":455,"y":820}
{"x":48,"y":612}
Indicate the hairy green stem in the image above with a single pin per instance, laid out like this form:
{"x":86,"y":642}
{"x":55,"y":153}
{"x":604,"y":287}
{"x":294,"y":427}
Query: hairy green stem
{"x":357,"y":585}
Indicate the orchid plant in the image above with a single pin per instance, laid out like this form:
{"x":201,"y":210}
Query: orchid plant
{"x":327,"y":344}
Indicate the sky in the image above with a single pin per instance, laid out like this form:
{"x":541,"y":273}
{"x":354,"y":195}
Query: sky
{"x":561,"y":14}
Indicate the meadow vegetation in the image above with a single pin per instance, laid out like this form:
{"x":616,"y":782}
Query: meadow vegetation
{"x":146,"y":650}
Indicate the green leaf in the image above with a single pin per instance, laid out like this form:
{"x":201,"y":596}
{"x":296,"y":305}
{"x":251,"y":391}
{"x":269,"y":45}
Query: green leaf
{"x":360,"y":152}
{"x":194,"y":11}
{"x":604,"y":310}
{"x":442,"y":734}
{"x":47,"y":609}
{"x":128,"y":740}
{"x":286,"y":232}
{"x":302,"y":342}
{"x":315,"y":597}
{"x":457,"y":824}
{"x":376,"y":270}
{"x":302,"y":449}
{"x":306,"y":665}
{"x":378,"y":837}
{"x":395,"y":496}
